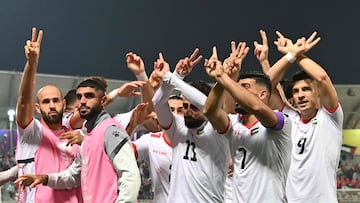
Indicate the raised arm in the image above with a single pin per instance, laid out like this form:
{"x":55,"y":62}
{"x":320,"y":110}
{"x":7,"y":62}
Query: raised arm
{"x":136,"y":65}
{"x":261,"y":51}
{"x":186,"y":65}
{"x":232,"y":66}
{"x":127,"y":89}
{"x":161,"y":106}
{"x":328,"y":94}
{"x":245,"y":98}
{"x":278,"y":70}
{"x":291,"y":52}
{"x":25,"y":103}
{"x":213,"y":110}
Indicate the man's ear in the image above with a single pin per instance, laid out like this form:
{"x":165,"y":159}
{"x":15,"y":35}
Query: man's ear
{"x":104,"y":100}
{"x":263,"y":93}
{"x":37,"y":107}
{"x":64,"y":105}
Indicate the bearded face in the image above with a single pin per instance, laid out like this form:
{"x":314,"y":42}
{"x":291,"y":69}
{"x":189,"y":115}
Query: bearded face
{"x":87,"y":112}
{"x":240,"y":110}
{"x":191,"y":122}
{"x":52,"y":117}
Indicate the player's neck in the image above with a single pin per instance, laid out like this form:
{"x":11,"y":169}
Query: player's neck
{"x":306,"y":116}
{"x":55,"y":126}
{"x":249,"y":119}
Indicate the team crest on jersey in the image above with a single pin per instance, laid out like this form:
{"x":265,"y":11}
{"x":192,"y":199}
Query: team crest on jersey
{"x":253,"y":131}
{"x":199,"y":132}
{"x":315,"y":122}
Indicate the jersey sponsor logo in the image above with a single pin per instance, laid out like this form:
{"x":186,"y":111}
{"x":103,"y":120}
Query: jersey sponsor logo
{"x":237,"y":133}
{"x":155,"y":135}
{"x":159,"y":152}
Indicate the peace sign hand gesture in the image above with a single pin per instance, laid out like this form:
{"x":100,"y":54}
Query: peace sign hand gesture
{"x":32,"y":47}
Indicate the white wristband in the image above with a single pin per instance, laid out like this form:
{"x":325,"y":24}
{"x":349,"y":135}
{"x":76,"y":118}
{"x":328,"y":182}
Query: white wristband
{"x":142,"y":77}
{"x":178,"y":75}
{"x":291,"y":58}
{"x":113,"y":94}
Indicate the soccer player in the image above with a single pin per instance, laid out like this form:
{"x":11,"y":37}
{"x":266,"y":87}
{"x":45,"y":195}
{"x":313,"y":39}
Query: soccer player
{"x":106,"y":167}
{"x":39,"y":142}
{"x":261,"y":152}
{"x":317,"y":129}
{"x":200,"y":157}
{"x":155,"y":149}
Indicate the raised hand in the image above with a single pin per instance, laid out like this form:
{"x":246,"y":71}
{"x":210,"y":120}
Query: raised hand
{"x":185,"y":65}
{"x":232,"y":64}
{"x":31,"y":180}
{"x":126,"y":90}
{"x":283,"y":43}
{"x":261,"y":51}
{"x":138,"y":117}
{"x":73,"y":137}
{"x":129,"y":89}
{"x":311,"y":41}
{"x":213,"y":66}
{"x":135,"y":63}
{"x":161,"y":67}
{"x":301,"y":46}
{"x":32,"y":47}
{"x":154,"y":80}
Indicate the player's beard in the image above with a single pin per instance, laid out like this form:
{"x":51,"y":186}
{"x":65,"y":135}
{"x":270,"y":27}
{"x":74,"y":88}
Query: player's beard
{"x":193,"y":123}
{"x":52,"y":119}
{"x":88,"y":115}
{"x":240,"y":110}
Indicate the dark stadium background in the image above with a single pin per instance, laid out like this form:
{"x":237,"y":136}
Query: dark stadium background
{"x":91,"y":37}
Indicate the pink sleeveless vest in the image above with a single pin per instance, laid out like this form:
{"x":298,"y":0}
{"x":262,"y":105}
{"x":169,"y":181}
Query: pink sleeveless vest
{"x":98,"y":177}
{"x":54,"y":156}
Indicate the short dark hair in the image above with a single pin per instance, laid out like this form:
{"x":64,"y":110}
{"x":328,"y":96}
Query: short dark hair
{"x":260,"y":78}
{"x":92,"y":83}
{"x":70,"y":97}
{"x":202,"y":86}
{"x":287,"y":85}
{"x":300,"y":75}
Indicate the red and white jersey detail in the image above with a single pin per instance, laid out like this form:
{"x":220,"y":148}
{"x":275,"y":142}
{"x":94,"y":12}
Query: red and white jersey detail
{"x":157,"y":152}
{"x":315,"y":157}
{"x":200,"y":163}
{"x":43,"y":144}
{"x":261,"y":159}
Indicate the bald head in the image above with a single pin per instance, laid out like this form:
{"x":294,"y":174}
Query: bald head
{"x":50,"y":104}
{"x":48,"y":91}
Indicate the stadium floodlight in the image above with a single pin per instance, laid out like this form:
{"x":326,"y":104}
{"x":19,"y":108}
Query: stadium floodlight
{"x":11,"y":114}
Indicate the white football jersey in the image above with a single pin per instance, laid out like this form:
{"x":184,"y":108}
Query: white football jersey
{"x":157,"y":152}
{"x":200,"y":163}
{"x":261,"y":159}
{"x":315,"y":157}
